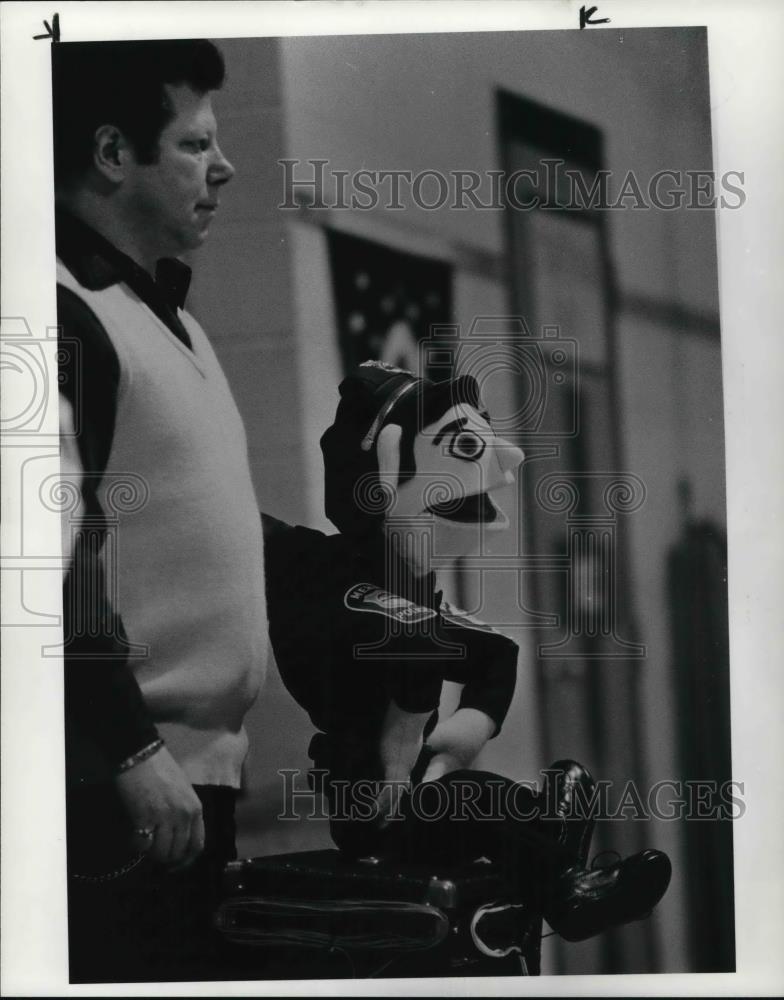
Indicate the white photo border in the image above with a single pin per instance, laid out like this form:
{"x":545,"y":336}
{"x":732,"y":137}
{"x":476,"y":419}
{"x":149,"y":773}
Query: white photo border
{"x":746,"y":97}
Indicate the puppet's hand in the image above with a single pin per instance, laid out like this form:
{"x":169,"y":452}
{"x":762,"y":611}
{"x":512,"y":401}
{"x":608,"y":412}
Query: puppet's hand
{"x":441,"y":764}
{"x":457,"y":741}
{"x":399,"y":748}
{"x":401,"y":742}
{"x":389,"y":801}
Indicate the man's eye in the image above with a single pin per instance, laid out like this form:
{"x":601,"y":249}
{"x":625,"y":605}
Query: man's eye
{"x":467,"y":445}
{"x":197,"y":145}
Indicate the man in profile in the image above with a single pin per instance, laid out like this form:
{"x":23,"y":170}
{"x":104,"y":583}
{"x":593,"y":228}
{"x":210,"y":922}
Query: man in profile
{"x":165,"y":625}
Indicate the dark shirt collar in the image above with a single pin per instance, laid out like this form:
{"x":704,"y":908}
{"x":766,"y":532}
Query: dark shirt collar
{"x":173,"y":278}
{"x":96,"y":263}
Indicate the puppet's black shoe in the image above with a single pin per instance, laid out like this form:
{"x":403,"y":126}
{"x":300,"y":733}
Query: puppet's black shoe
{"x":587,"y":902}
{"x":570,"y":796}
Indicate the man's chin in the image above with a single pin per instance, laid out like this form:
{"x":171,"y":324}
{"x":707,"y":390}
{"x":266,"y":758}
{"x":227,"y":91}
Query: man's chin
{"x":191,"y":241}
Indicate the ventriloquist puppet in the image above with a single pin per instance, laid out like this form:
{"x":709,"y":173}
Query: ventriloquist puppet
{"x":365,"y":641}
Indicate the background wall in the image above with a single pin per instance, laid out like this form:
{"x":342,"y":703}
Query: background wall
{"x":263,"y":291}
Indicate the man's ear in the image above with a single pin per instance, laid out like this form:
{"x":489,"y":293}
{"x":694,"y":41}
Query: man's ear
{"x":110,"y":152}
{"x":388,"y":453}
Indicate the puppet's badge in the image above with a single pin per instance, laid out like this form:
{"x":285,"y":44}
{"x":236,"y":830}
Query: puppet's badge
{"x":369,"y":597}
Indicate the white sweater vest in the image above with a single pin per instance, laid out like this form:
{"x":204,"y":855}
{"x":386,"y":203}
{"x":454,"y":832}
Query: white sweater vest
{"x":189,"y":560}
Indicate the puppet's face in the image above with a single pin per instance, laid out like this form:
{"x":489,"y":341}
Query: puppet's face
{"x":459,"y":462}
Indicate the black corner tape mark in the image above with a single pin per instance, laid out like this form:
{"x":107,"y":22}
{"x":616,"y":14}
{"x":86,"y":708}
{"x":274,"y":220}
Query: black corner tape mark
{"x":587,"y":15}
{"x":52,"y":30}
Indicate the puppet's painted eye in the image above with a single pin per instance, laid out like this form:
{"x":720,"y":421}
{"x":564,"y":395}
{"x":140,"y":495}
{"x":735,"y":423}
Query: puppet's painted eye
{"x":467,"y":445}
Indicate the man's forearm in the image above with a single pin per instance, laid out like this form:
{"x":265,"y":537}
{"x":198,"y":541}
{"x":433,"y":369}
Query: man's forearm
{"x":108,"y":721}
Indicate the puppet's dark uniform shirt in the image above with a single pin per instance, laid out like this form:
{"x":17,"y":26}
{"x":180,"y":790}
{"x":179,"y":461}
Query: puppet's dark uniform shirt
{"x":351,"y":632}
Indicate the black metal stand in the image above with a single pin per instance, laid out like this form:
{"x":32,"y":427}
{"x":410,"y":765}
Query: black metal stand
{"x":318,"y":915}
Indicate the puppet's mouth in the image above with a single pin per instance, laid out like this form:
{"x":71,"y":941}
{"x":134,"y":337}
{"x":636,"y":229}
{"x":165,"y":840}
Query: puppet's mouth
{"x":477,"y":508}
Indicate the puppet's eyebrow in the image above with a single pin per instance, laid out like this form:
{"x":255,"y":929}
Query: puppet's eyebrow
{"x":454,"y":425}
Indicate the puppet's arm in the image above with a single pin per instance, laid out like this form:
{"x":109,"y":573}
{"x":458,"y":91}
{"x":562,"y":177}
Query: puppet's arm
{"x":487,"y":674}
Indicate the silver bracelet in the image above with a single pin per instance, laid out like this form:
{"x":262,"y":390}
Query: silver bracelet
{"x":141,"y":755}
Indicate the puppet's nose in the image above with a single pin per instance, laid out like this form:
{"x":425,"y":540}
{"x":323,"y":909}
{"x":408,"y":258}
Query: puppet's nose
{"x":509,"y":457}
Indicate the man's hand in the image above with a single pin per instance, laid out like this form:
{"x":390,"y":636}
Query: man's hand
{"x":159,"y":798}
{"x":457,"y":741}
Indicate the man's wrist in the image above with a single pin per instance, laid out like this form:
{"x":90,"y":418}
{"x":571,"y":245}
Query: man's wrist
{"x":140,"y":756}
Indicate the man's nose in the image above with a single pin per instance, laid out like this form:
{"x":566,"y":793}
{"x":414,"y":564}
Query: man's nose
{"x":221,"y":170}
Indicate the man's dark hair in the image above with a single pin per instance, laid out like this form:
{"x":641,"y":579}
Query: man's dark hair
{"x":121,"y":84}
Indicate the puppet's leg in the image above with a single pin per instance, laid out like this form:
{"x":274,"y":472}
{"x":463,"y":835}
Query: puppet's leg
{"x":469,"y":814}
